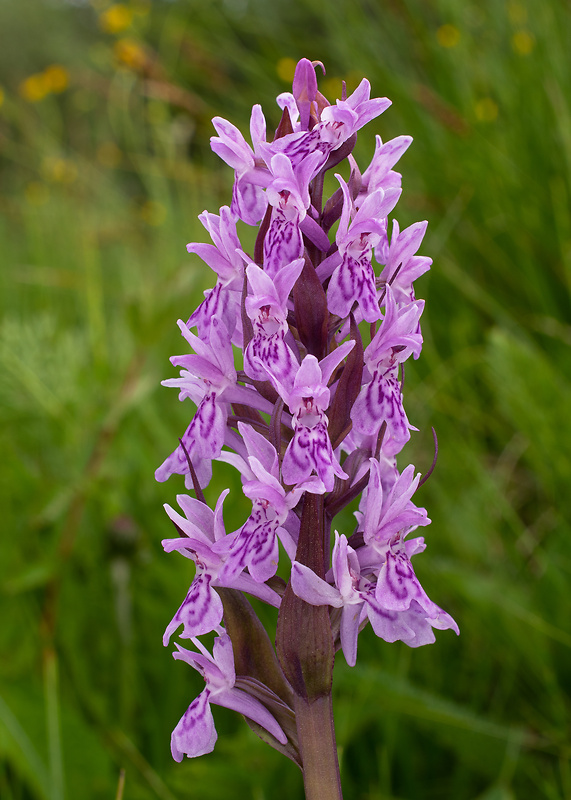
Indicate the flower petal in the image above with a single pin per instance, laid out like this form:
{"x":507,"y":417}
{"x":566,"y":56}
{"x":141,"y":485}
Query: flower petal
{"x":195,"y":734}
{"x":313,"y":589}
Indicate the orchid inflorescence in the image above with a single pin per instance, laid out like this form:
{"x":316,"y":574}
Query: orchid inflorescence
{"x":312,"y":418}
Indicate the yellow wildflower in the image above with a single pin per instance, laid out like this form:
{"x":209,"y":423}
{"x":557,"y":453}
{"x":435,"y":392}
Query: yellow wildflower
{"x":448,"y":35}
{"x":486,"y":110}
{"x":56,"y":78}
{"x":53,"y":79}
{"x":116,"y":18}
{"x":34,"y":87}
{"x":130,"y":53}
{"x":286,"y":69}
{"x":523,"y":42}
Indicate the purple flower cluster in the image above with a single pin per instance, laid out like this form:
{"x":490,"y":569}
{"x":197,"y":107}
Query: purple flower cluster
{"x":311,"y":417}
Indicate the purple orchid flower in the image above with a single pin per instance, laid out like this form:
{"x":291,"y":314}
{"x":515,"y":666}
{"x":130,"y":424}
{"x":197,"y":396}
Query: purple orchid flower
{"x":195,"y":734}
{"x":310,"y":449}
{"x":297,"y":310}
{"x":268,"y":352}
{"x":402,"y":266}
{"x":255,"y":544}
{"x":380,"y":174}
{"x":204,"y":378}
{"x":350,"y":592}
{"x":288,"y":195}
{"x":346,"y":117}
{"x":387,"y":520}
{"x":387,"y":514}
{"x":208,"y":378}
{"x":201,"y":610}
{"x":248,"y":197}
{"x":203,"y":529}
{"x":336,"y":124}
{"x":398,"y":590}
{"x":380,"y":400}
{"x":223,"y":301}
{"x":359,"y":599}
{"x":353,"y":279}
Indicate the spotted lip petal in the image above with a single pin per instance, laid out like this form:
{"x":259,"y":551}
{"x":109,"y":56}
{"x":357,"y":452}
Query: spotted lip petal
{"x":200,"y":612}
{"x":267,"y":351}
{"x":203,"y":440}
{"x":208,"y":373}
{"x":288,"y":194}
{"x":283,"y":242}
{"x":353,"y":279}
{"x":380,"y":401}
{"x":195,"y":734}
{"x":309,"y":450}
{"x":254,"y":547}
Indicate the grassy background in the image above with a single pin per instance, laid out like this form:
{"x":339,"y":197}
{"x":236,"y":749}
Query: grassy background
{"x":105,"y":164}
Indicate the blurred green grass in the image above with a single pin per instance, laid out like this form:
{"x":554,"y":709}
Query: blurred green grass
{"x":105,"y":164}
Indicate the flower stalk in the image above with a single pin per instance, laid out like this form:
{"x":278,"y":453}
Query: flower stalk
{"x":312,"y":417}
{"x":304,"y":641}
{"x":315,"y":729}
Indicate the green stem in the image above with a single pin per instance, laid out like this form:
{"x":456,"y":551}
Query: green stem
{"x":316,"y":735}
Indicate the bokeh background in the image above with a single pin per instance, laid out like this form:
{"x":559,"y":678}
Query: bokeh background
{"x":105,"y":164}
